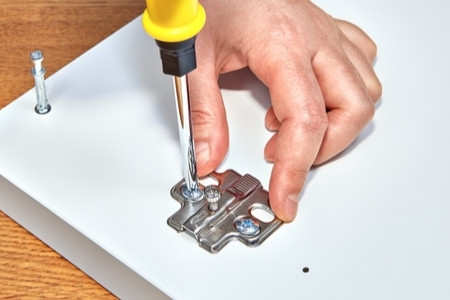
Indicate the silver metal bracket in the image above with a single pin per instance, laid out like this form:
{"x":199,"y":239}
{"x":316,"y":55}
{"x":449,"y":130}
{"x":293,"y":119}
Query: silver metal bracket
{"x":240,"y":212}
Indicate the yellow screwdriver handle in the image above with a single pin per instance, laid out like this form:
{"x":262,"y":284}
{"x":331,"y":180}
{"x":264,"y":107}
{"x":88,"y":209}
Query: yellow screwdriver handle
{"x":173,"y":20}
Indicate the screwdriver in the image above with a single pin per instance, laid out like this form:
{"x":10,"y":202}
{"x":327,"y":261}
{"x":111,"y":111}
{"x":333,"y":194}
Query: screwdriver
{"x":174,"y":25}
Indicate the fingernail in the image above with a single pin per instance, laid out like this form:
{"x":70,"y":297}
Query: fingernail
{"x":291,"y":207}
{"x":202,"y":152}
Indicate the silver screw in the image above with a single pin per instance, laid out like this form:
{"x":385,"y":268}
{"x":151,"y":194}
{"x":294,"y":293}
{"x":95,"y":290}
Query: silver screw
{"x":212,"y":195}
{"x":38,"y":71}
{"x":247,"y":226}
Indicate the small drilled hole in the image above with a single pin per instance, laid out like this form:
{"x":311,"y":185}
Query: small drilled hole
{"x":262,"y":214}
{"x":305,"y":270}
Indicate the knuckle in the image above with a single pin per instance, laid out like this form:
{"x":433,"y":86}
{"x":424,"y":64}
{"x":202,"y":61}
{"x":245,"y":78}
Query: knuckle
{"x":314,"y":120}
{"x":365,"y":111}
{"x":375,"y":90}
{"x":370,"y":111}
{"x":202,"y":118}
{"x":370,"y":49}
{"x":300,"y":173}
{"x":293,"y":170}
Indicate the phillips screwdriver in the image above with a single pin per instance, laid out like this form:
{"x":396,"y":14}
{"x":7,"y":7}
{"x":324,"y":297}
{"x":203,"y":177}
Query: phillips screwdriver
{"x":174,"y":25}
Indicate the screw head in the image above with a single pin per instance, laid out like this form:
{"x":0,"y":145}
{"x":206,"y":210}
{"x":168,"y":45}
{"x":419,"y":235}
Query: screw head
{"x":191,"y":195}
{"x":36,"y":55}
{"x":247,"y":226}
{"x":42,"y":110}
{"x":212,"y":195}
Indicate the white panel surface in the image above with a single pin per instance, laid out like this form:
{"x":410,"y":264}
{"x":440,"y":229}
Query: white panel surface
{"x":373,"y":223}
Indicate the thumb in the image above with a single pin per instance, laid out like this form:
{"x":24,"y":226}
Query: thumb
{"x":208,"y":118}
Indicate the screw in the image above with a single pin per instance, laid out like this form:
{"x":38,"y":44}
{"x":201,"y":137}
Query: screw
{"x":38,"y":71}
{"x":247,"y":226}
{"x":191,"y":194}
{"x":212,"y":194}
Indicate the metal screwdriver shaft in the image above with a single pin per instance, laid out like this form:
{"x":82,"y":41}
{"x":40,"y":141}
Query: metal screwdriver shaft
{"x":38,"y":71}
{"x":190,"y":189}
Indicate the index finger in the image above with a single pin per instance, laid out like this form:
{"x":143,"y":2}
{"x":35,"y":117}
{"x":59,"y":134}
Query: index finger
{"x":298,"y":105}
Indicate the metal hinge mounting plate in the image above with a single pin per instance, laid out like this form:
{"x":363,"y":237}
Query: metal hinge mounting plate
{"x":240,"y":212}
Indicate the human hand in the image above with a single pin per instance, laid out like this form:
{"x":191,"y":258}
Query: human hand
{"x":320,"y":79}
